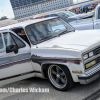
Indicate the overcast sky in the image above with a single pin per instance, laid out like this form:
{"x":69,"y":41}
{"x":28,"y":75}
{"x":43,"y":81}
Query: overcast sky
{"x":6,"y":9}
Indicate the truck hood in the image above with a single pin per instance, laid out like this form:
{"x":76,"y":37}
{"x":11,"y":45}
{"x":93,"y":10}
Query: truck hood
{"x":79,"y":17}
{"x":84,"y":15}
{"x":78,"y":40}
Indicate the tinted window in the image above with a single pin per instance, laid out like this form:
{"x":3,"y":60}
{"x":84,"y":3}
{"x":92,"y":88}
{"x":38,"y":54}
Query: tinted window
{"x":53,"y":15}
{"x":70,"y":13}
{"x":2,"y":47}
{"x":66,"y":14}
{"x":1,"y":42}
{"x":19,"y":43}
{"x":46,"y":16}
{"x":8,"y":39}
{"x":99,"y":13}
{"x":13,"y":40}
{"x":63,"y":15}
{"x":21,"y":33}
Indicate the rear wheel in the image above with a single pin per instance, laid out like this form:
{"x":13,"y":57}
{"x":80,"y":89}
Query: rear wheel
{"x":60,"y":77}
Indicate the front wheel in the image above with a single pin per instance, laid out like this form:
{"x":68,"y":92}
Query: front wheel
{"x":59,"y":77}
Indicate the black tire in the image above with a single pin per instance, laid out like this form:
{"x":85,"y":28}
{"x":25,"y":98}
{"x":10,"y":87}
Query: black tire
{"x":60,"y":80}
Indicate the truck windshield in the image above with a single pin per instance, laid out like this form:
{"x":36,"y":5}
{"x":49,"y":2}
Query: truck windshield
{"x":66,"y":14}
{"x":70,"y":13}
{"x":46,"y":29}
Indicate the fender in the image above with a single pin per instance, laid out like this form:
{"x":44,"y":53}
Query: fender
{"x":44,"y":61}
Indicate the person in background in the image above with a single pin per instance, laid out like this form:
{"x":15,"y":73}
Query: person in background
{"x":73,"y":10}
{"x":86,"y":9}
{"x":23,"y":36}
{"x":21,"y":33}
{"x":83,"y":10}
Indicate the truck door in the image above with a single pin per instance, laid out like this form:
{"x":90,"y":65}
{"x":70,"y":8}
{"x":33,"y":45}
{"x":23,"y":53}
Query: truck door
{"x":97,"y":21}
{"x":14,"y":64}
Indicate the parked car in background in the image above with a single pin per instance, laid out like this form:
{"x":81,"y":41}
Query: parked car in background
{"x":90,"y":23}
{"x":49,"y":48}
{"x":91,"y":7}
{"x":63,"y":14}
{"x":69,"y":16}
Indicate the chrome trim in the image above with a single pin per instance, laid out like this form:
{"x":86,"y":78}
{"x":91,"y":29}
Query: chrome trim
{"x":10,"y":59}
{"x":90,"y":75}
{"x":92,"y":58}
{"x":90,"y":50}
{"x":22,"y":74}
{"x":57,"y":59}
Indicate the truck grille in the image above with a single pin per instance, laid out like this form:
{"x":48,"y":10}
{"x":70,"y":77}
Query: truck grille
{"x":97,"y":60}
{"x":97,"y":51}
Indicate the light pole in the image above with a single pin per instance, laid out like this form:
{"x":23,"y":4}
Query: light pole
{"x":2,"y":12}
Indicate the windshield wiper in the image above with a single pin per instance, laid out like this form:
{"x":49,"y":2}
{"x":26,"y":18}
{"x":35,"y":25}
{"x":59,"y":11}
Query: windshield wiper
{"x":65,"y":31}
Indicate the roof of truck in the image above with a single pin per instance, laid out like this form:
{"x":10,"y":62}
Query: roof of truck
{"x":25,"y":23}
{"x":6,"y":30}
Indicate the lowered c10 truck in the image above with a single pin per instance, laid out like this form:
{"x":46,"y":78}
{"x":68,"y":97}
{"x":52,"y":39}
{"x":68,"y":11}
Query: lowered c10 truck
{"x":89,"y":23}
{"x":49,"y":48}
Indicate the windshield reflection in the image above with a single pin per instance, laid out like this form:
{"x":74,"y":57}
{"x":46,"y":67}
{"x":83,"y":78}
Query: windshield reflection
{"x":46,"y":29}
{"x":66,"y":14}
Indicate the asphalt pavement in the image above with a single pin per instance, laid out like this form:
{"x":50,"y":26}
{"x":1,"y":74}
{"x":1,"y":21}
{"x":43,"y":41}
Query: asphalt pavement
{"x":78,"y":92}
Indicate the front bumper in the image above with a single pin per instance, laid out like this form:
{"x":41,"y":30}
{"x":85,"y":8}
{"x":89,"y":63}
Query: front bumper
{"x":90,"y":75}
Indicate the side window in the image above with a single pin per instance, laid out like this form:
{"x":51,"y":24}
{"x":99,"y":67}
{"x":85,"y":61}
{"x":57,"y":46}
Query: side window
{"x":99,"y":13}
{"x":11,"y":39}
{"x":8,"y":39}
{"x":21,"y":33}
{"x":53,"y":15}
{"x":46,"y":16}
{"x":1,"y":42}
{"x":19,"y":43}
{"x":2,"y":48}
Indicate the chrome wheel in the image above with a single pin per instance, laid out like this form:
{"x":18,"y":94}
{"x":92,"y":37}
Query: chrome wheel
{"x":57,"y":76}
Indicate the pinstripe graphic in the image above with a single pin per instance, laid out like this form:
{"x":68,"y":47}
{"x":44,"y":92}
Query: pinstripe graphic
{"x":9,"y":61}
{"x":50,"y":59}
{"x":13,"y":63}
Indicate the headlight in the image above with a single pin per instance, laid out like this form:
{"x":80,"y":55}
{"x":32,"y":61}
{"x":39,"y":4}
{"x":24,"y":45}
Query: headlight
{"x":91,"y":54}
{"x":85,"y":56}
{"x":90,"y":64}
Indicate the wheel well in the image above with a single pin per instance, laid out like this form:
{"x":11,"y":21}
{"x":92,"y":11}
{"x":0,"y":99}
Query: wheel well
{"x":45,"y":66}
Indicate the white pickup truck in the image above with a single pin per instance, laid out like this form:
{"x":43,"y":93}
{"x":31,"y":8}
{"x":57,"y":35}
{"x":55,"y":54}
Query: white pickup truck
{"x":89,"y":23}
{"x":49,"y":48}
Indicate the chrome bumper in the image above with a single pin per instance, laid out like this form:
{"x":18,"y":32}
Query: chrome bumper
{"x":90,"y":75}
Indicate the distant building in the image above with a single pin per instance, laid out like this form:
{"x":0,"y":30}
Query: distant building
{"x":79,"y":1}
{"x":24,"y":8}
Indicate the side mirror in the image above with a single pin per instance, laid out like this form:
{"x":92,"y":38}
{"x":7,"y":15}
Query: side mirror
{"x":12,"y":48}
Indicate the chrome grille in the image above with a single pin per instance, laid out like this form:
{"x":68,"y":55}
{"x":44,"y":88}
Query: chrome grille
{"x":98,"y":60}
{"x":97,"y":51}
{"x":95,"y":57}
